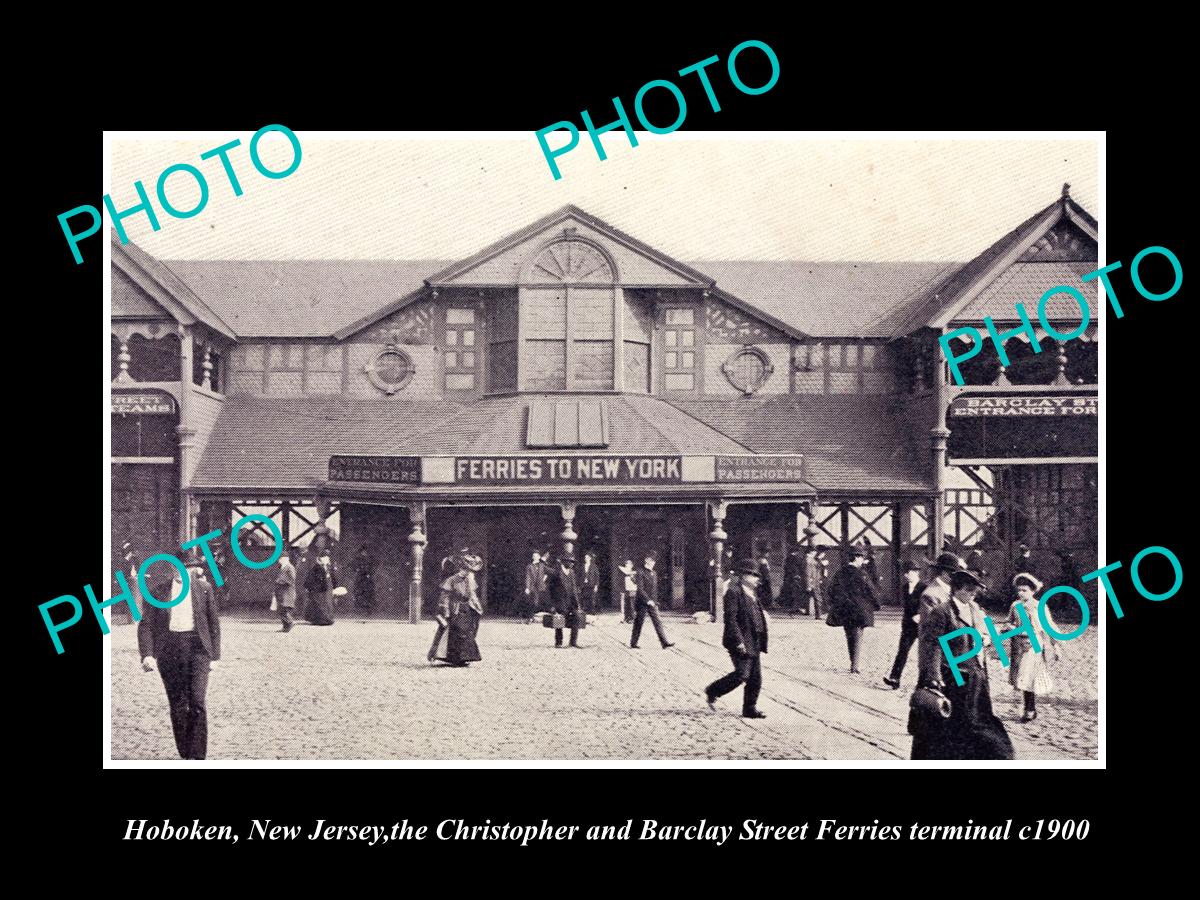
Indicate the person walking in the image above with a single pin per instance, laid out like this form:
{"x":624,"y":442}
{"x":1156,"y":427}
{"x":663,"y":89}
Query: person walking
{"x":911,"y":590}
{"x":563,"y":591}
{"x":285,"y":591}
{"x":646,"y":596}
{"x":1029,"y":670}
{"x":589,"y":582}
{"x":183,"y":642}
{"x":323,"y":578}
{"x":972,"y":730}
{"x":745,"y":637}
{"x":459,"y":612}
{"x":853,"y":598}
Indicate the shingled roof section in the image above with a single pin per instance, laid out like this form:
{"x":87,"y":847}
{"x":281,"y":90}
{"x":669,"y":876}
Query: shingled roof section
{"x":301,"y":298}
{"x":850,"y":443}
{"x":317,"y":298}
{"x":285,"y":443}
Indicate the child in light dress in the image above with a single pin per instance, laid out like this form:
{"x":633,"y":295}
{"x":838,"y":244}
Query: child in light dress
{"x":1030,"y":671}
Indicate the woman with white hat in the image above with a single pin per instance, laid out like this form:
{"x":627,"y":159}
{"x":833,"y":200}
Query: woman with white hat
{"x":1029,"y":671}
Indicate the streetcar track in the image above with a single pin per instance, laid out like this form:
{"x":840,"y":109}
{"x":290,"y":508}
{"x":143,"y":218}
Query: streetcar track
{"x":805,"y":751}
{"x":848,"y":730}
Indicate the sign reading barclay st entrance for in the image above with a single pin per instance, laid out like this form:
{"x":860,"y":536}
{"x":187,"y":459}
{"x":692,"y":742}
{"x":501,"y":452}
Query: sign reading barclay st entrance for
{"x":1028,"y":405}
{"x":567,"y":469}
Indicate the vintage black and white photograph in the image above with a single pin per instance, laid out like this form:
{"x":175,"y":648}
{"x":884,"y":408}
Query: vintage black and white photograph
{"x":664,"y":460}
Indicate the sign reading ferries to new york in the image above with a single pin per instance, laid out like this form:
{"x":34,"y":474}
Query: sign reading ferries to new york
{"x":568,"y":469}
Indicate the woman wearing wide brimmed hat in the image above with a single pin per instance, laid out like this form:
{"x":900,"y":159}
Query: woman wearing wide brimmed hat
{"x":459,"y":612}
{"x":1029,"y":672}
{"x":971,"y":730}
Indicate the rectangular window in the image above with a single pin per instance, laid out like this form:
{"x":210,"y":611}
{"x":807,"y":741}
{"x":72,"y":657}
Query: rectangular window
{"x":459,"y":366}
{"x":679,"y":367}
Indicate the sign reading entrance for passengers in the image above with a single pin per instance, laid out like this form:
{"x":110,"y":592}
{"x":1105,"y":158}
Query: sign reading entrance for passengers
{"x":760,"y":468}
{"x":568,"y":469}
{"x":376,"y":469}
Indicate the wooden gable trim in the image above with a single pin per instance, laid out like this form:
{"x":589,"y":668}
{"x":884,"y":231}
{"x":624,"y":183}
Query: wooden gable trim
{"x":1051,"y":218}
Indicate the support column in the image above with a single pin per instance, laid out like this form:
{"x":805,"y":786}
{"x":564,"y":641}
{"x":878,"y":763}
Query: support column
{"x":716,"y":545}
{"x":938,"y":438}
{"x":416,"y":543}
{"x":568,"y":534}
{"x":186,"y":432}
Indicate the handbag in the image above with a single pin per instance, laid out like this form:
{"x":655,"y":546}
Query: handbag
{"x":554,"y":620}
{"x":931,"y":702}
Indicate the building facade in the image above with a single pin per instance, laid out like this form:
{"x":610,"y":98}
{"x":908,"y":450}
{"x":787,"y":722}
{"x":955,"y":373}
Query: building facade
{"x":570,"y":387}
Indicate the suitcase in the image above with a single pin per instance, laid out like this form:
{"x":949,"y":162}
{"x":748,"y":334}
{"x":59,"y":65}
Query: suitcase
{"x":554,"y":620}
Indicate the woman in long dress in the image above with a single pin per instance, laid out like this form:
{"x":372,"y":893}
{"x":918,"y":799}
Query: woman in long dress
{"x":972,"y":730}
{"x":1029,"y":672}
{"x":459,"y":612}
{"x":322,"y":581}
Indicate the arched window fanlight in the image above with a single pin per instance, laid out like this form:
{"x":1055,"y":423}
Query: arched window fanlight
{"x":575,"y":262}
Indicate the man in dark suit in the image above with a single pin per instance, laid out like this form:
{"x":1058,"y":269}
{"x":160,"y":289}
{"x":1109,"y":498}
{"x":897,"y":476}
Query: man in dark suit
{"x":183,"y":642}
{"x":912,"y":591}
{"x":647,"y":604}
{"x":564,"y":598}
{"x":745,"y":638}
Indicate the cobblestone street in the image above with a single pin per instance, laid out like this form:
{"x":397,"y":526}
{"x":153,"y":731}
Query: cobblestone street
{"x":362,"y":690}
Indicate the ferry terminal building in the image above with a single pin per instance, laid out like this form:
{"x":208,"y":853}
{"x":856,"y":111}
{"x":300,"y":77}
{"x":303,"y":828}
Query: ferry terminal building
{"x":570,"y":387}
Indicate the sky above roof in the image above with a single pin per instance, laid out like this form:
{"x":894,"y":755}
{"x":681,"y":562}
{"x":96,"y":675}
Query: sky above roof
{"x":685,"y":194}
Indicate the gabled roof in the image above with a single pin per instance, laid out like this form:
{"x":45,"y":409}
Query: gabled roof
{"x":944,"y":300}
{"x":165,"y":287}
{"x":561,"y":214}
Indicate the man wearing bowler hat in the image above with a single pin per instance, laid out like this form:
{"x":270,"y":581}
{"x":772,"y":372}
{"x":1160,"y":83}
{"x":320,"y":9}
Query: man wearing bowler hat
{"x":564,"y":598}
{"x":745,"y":638}
{"x":183,"y":642}
{"x":937,"y":591}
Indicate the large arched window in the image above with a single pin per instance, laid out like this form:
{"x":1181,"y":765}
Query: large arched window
{"x":567,"y":323}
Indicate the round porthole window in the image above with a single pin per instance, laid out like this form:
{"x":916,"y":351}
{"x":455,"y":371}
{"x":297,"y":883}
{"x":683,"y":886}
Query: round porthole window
{"x":748,"y":369}
{"x":391,"y":370}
